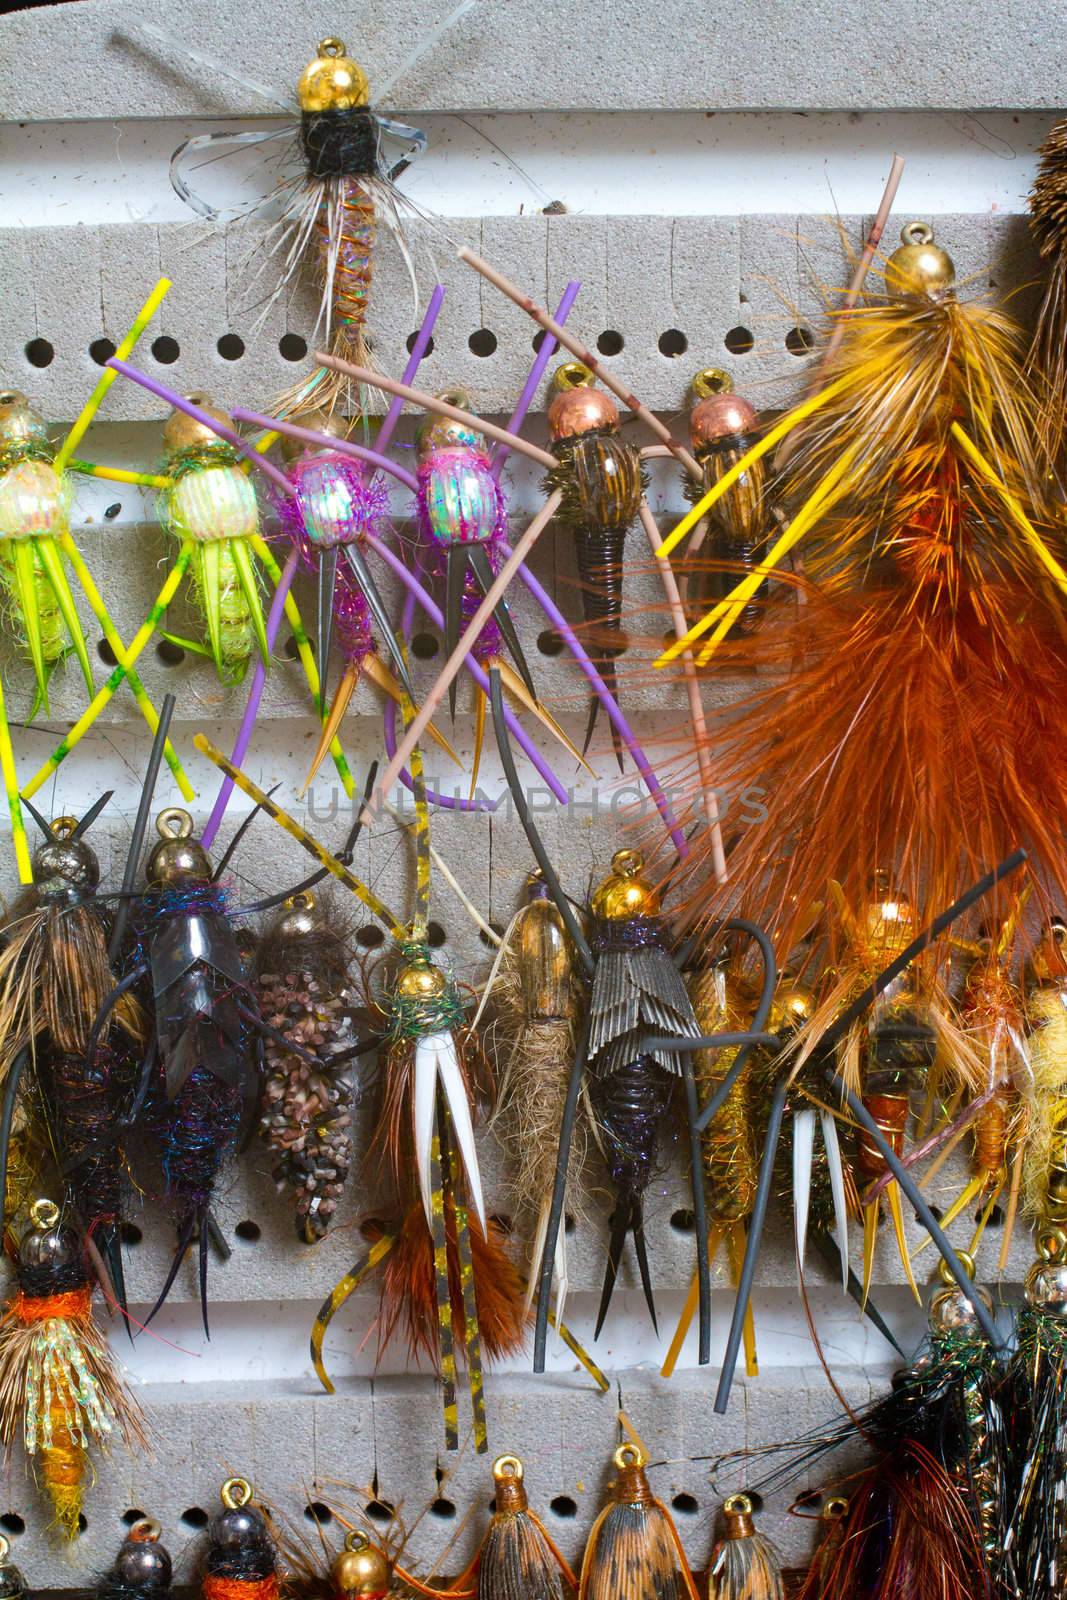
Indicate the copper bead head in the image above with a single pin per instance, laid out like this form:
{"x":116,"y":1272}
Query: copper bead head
{"x":720,"y":416}
{"x":579,"y":408}
{"x":329,"y":423}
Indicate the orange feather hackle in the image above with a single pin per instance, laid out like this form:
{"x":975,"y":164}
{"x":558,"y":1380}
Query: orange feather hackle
{"x":408,"y":1297}
{"x":916,"y":663}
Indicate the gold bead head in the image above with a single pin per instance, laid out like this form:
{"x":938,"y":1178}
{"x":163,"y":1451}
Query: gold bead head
{"x":183,"y":432}
{"x":918,"y":267}
{"x":792,"y":1007}
{"x":889,"y":920}
{"x":300,"y":917}
{"x":333,"y":81}
{"x":738,"y":1514}
{"x":331,"y":423}
{"x":624,"y":893}
{"x":446,"y":433}
{"x":178,"y":858}
{"x":420,"y":980}
{"x":20,"y":424}
{"x":361,"y":1568}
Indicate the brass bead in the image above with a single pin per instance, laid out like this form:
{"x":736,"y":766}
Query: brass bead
{"x":721,"y":416}
{"x":301,"y":915}
{"x":579,"y":408}
{"x":327,"y":422}
{"x":624,"y":893}
{"x":507,"y":1479}
{"x":889,"y":920}
{"x":421,"y":980}
{"x":738,"y":1513}
{"x":792,"y":1007}
{"x":361,"y":1568}
{"x":333,"y":81}
{"x":446,"y":433}
{"x":178,"y":858}
{"x":183,"y":432}
{"x":20,"y":424}
{"x":918,"y":266}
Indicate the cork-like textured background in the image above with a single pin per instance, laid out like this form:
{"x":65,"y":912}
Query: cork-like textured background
{"x":736,"y":289}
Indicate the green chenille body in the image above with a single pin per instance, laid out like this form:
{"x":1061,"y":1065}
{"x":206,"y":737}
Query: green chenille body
{"x":49,"y":618}
{"x":218,"y":592}
{"x":214,"y":502}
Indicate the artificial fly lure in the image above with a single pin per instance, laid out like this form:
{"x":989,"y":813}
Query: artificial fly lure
{"x":908,"y":1039}
{"x":518,"y":1560}
{"x":142,"y":1570}
{"x":744,"y":1564}
{"x":241,"y":1560}
{"x":199,"y":1082}
{"x":1048,"y":217}
{"x":636,"y":992}
{"x":55,"y":975}
{"x":535,"y":988}
{"x":305,"y":996}
{"x":634,"y":1551}
{"x":36,"y":546}
{"x":931,"y":1514}
{"x":211,"y":503}
{"x":60,"y":1390}
{"x":1036,"y":1388}
{"x":462,"y":520}
{"x":928,"y":647}
{"x":330,"y":212}
{"x":602,"y":483}
{"x":990,"y":1015}
{"x":722,"y":426}
{"x":446,"y":1268}
{"x":1044,"y":1161}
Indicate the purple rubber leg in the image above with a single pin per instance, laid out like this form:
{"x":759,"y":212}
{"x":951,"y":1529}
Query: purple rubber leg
{"x":344,"y":447}
{"x":274,"y":619}
{"x":445,"y":801}
{"x":608,"y":701}
{"x":255,"y":694}
{"x":436,"y":616}
{"x":537,"y":372}
{"x":179,"y":402}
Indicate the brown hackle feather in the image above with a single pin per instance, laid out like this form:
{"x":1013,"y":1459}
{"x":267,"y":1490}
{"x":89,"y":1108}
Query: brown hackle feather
{"x":923,"y":741}
{"x":908,"y":1534}
{"x":408,"y":1304}
{"x":632,"y":1554}
{"x":392,"y":1142}
{"x":747,"y":1569}
{"x":54,"y":978}
{"x":1048,"y":224}
{"x":517,"y":1562}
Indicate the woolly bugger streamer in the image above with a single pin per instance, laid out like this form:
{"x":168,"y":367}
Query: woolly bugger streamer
{"x":928,"y":656}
